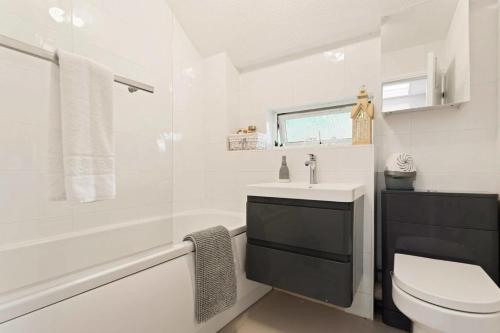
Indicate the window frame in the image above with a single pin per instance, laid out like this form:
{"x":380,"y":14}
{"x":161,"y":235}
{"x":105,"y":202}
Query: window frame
{"x":279,"y":130}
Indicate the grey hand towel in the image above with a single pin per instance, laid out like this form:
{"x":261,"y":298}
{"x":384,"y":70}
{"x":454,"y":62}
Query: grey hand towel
{"x":214,"y":272}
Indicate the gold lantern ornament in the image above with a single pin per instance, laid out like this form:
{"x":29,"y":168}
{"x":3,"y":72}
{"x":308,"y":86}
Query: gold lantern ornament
{"x":362,"y":115}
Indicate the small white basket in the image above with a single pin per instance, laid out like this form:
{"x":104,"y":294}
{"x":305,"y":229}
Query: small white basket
{"x":250,"y":141}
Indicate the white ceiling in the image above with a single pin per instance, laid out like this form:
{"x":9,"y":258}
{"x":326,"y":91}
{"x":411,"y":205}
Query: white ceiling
{"x":259,"y":32}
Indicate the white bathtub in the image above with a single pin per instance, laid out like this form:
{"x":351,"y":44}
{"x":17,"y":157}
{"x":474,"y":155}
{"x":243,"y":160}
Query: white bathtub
{"x":120,"y":279}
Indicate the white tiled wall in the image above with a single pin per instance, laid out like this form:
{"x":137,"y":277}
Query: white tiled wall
{"x":454,"y":149}
{"x":133,"y":43}
{"x":189,"y":97}
{"x":220,"y":117}
{"x":324,"y":77}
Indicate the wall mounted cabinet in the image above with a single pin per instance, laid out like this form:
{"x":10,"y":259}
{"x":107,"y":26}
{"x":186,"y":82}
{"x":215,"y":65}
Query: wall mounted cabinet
{"x":309,"y":247}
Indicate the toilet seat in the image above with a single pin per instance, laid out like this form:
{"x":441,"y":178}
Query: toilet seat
{"x":455,"y":286}
{"x":429,"y":318}
{"x":445,"y":297}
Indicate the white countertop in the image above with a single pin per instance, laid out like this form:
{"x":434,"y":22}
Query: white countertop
{"x":338,"y":192}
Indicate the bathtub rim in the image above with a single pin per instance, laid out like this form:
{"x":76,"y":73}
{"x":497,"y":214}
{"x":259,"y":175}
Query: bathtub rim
{"x":34,"y":297}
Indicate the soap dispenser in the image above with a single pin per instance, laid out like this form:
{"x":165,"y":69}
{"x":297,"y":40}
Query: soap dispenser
{"x":284,"y":176}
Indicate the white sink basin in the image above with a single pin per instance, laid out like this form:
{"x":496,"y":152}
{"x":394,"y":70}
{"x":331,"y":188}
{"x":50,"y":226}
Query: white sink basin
{"x":339,"y":192}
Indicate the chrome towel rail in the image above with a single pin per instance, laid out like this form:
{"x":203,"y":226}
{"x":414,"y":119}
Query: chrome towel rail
{"x":38,"y":52}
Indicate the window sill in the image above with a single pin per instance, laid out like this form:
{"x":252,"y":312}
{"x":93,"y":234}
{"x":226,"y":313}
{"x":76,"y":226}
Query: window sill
{"x":309,"y":147}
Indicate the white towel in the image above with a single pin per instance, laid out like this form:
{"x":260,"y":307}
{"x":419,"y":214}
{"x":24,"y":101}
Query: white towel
{"x":86,"y":132}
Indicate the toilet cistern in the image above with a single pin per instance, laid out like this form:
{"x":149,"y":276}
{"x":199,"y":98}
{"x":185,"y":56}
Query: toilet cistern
{"x":313,"y":168}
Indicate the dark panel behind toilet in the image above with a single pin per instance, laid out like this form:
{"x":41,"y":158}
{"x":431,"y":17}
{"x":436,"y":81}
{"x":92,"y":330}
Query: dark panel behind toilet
{"x":451,"y":226}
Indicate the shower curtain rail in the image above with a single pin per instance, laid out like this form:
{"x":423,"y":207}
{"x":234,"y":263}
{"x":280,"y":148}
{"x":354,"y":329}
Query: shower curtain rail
{"x":38,"y":52}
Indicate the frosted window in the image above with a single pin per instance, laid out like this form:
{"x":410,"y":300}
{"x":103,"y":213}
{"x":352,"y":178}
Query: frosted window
{"x":320,"y":126}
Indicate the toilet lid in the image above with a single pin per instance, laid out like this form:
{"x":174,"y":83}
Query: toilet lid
{"x":456,"y":286}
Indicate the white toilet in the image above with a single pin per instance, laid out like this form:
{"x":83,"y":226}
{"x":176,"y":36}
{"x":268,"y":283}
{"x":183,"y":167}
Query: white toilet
{"x":444,"y":296}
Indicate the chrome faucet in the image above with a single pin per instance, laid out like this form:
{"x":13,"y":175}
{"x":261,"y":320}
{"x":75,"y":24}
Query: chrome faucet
{"x":313,"y":168}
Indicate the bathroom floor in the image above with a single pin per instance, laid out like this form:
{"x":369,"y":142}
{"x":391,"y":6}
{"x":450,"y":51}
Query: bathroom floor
{"x":280,"y":312}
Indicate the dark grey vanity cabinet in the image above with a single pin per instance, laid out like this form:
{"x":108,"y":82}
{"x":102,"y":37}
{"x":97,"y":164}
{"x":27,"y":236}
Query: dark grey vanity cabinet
{"x":306,"y":247}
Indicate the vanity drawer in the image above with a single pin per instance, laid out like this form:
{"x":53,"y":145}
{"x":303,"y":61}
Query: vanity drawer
{"x":325,"y":280}
{"x":325,"y":230}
